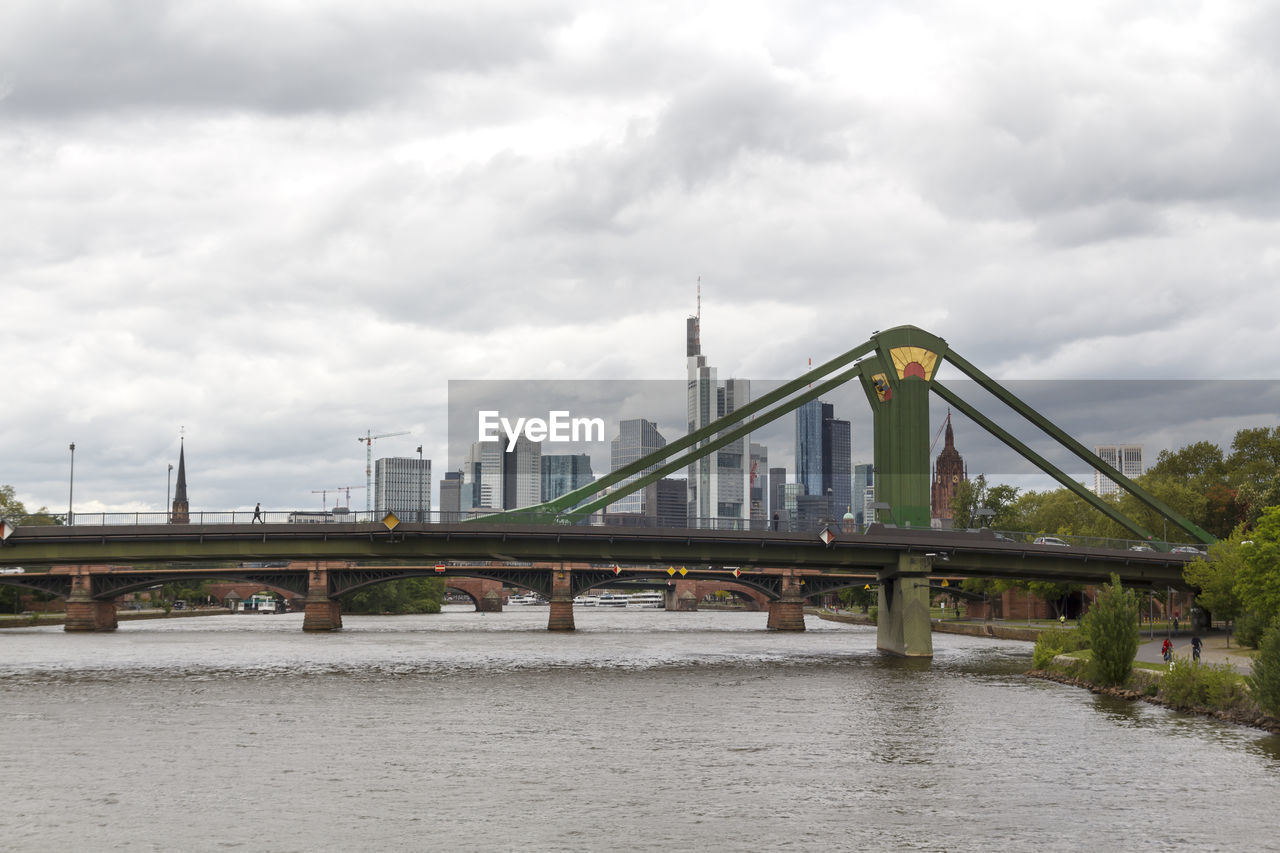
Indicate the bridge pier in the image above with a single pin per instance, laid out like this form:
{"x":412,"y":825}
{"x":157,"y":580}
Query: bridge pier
{"x":787,"y":613}
{"x":682,"y":595}
{"x":490,"y":602}
{"x":84,"y":612}
{"x":902,"y":620}
{"x":561,"y":616}
{"x":322,"y":613}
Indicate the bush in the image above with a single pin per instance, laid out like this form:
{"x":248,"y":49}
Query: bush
{"x":874,"y":612}
{"x":1191,"y":684}
{"x":1249,"y":628}
{"x":1111,"y":626}
{"x":1265,"y":681}
{"x":1056,"y":641}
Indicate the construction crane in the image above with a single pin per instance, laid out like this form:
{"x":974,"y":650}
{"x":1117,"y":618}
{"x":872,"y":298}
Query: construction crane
{"x":324,"y":495}
{"x":369,"y":438}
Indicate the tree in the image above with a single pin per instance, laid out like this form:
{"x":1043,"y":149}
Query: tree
{"x":1112,"y":628}
{"x":1258,"y":576}
{"x":409,"y":595}
{"x":14,"y":510}
{"x":1265,"y":680}
{"x":973,"y":495}
{"x":1215,"y":578}
{"x":858,"y":596}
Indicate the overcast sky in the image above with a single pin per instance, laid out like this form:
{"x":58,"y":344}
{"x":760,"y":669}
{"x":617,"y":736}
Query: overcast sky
{"x":278,"y":225}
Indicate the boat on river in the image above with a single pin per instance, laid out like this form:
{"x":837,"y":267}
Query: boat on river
{"x":647,"y":601}
{"x":612,"y":599}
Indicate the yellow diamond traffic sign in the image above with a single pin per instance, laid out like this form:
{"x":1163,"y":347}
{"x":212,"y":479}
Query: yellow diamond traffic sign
{"x":390,"y":520}
{"x":683,"y":571}
{"x":671,"y":570}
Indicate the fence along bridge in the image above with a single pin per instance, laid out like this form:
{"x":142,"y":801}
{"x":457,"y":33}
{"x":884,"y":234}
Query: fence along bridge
{"x":896,"y":369}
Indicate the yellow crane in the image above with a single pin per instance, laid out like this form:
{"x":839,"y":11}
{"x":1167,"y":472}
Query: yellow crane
{"x":369,"y":438}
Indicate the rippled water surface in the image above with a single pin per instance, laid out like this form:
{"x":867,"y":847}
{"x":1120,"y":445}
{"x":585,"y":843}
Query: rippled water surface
{"x":641,"y":731}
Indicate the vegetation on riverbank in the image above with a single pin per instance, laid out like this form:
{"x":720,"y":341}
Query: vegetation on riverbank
{"x":1100,"y":656}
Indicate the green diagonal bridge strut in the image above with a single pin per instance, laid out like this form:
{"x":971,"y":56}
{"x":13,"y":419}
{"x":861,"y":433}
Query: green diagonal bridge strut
{"x":897,"y":369}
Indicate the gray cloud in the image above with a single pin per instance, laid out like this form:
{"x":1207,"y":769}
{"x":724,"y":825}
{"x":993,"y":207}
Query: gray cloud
{"x":95,"y":56}
{"x":281,"y":226}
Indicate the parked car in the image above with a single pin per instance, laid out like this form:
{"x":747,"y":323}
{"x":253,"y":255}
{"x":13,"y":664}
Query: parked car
{"x":1051,"y":540}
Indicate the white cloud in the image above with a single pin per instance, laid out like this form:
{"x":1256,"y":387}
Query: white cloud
{"x":280,"y":225}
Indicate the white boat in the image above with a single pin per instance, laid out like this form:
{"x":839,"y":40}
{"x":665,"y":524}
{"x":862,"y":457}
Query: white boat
{"x":520,"y":599}
{"x":612,"y":599}
{"x":586,"y":601}
{"x":647,"y":601}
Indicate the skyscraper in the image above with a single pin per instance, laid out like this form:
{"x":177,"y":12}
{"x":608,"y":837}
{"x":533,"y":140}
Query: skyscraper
{"x":718,"y":484}
{"x":401,"y":485}
{"x":758,"y":476}
{"x":1125,"y":458}
{"x":562,"y":473}
{"x":824,"y":455}
{"x":637,"y":437}
{"x":863,"y":479}
{"x":777,"y":479}
{"x":451,"y":496}
{"x":522,"y":474}
{"x":665,"y":502}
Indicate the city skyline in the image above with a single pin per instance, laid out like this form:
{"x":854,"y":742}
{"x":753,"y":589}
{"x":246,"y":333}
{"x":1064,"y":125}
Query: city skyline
{"x":284,"y":244}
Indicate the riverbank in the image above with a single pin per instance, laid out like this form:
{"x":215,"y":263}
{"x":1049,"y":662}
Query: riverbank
{"x":1144,"y":687}
{"x":27,"y":620}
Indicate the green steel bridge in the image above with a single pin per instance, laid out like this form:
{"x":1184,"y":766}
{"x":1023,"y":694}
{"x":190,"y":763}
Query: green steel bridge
{"x":897,"y":370}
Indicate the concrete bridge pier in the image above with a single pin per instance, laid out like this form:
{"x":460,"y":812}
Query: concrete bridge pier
{"x":902,"y":621}
{"x":561,"y":616}
{"x":322,"y":613}
{"x":490,"y":602}
{"x":682,"y":595}
{"x":84,"y":612}
{"x":787,"y":612}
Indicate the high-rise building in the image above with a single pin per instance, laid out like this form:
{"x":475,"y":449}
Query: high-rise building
{"x":812,"y":512}
{"x":1125,"y":458}
{"x":482,"y":477}
{"x":824,"y":454}
{"x":637,"y":437}
{"x":665,"y":502}
{"x":451,"y":497}
{"x":719,"y":487}
{"x":777,"y":479}
{"x":863,"y":478}
{"x":402,"y":485}
{"x":948,"y":472}
{"x":562,"y":473}
{"x":791,"y":494}
{"x":758,"y":476}
{"x":522,"y":474}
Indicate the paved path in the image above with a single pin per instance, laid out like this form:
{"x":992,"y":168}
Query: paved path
{"x":1214,"y":651}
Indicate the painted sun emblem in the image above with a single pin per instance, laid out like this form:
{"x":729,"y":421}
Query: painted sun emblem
{"x":914,"y":361}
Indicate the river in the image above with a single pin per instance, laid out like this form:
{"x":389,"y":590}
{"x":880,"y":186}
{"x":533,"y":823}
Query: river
{"x":641,"y":731}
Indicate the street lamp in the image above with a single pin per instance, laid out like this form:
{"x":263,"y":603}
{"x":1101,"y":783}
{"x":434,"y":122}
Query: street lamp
{"x":167,"y":481}
{"x":419,"y":483}
{"x":71,"y":488}
{"x":984,"y":516}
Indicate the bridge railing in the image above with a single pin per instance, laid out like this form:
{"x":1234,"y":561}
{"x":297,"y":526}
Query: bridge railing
{"x":760,"y":525}
{"x":241,"y":516}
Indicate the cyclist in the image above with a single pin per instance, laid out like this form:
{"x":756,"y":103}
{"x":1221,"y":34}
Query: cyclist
{"x":1195,"y":648}
{"x":1166,"y":650}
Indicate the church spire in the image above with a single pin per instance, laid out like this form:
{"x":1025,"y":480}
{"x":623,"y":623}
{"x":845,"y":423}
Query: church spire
{"x":181,"y":513}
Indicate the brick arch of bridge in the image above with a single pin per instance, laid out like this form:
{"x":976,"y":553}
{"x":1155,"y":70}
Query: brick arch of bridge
{"x":485,"y":593}
{"x":701,"y":589}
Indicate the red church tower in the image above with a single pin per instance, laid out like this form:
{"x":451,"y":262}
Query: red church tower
{"x":947,"y":474}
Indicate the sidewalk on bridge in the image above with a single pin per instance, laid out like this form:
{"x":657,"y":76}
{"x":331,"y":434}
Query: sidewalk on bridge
{"x":1214,"y":650}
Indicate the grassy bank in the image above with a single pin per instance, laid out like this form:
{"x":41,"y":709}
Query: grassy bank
{"x":1210,"y":690}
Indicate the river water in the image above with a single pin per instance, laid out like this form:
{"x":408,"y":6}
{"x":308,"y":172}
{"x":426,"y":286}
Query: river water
{"x":643,"y":730}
